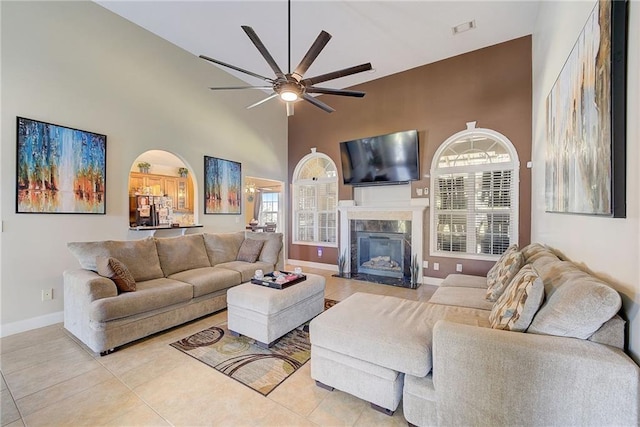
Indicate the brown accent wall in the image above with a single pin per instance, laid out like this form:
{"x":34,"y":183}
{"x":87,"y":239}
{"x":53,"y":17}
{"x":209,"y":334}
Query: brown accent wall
{"x":491,"y":86}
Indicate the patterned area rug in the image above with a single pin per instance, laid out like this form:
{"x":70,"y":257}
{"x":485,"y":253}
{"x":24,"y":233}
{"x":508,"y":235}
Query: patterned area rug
{"x":241,"y":359}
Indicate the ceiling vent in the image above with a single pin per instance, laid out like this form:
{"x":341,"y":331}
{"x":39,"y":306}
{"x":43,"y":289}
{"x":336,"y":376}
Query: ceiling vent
{"x":466,"y":26}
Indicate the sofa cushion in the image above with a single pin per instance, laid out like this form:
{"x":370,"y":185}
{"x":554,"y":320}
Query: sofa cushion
{"x":502,"y":272}
{"x":517,"y":305}
{"x":207,"y":280}
{"x":247,"y":269}
{"x":272,"y":246}
{"x":250,"y":250}
{"x":611,"y":333}
{"x":113,"y":269}
{"x":140,"y":256}
{"x":462,"y":297}
{"x":182,"y":253}
{"x":222,"y":247}
{"x":578,"y":307}
{"x":533,"y":251}
{"x":150,"y":295}
{"x":464,"y":281}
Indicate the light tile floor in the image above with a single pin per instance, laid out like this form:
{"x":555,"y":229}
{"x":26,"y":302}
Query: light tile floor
{"x":50,"y":379}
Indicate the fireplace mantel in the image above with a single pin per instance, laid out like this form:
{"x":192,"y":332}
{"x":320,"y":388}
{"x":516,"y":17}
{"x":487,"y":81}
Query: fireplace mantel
{"x":413,"y":212}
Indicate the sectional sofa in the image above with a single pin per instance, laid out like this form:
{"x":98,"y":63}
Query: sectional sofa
{"x":127,"y":290}
{"x":536,"y":342}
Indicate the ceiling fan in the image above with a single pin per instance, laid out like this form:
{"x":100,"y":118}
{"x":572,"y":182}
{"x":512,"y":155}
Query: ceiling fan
{"x":291,"y":87}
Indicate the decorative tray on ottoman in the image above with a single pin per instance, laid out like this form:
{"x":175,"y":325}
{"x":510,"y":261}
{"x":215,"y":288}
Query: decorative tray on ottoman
{"x":279,"y":279}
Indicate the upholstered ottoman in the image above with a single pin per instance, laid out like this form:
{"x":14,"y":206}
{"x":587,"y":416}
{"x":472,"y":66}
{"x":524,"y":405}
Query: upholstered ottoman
{"x":353,"y":352}
{"x":265,"y":314}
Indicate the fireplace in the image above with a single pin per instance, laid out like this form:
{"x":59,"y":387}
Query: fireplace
{"x":381,"y":250}
{"x":381,"y":254}
{"x":382,"y":210}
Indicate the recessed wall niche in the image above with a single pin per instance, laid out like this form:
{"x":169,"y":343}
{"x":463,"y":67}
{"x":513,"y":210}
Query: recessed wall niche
{"x":161,"y":191}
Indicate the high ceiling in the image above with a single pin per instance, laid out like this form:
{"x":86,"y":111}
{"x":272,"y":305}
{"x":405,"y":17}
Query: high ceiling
{"x":393,"y":35}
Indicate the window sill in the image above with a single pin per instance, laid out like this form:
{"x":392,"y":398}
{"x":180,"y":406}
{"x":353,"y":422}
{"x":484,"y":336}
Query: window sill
{"x":323,"y":244}
{"x":462,"y":255}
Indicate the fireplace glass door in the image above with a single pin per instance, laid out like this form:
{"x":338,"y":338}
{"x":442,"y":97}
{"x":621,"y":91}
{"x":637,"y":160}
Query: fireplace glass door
{"x":381,"y":254}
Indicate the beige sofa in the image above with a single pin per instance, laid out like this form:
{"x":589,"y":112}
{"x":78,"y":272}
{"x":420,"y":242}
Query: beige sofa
{"x":451,"y":362}
{"x":175,"y":280}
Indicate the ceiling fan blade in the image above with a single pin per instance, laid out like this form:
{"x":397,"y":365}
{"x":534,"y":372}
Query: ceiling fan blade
{"x":263,"y":100}
{"x":315,"y":49}
{"x":341,"y":92}
{"x":318,"y":104}
{"x":233,"y":67}
{"x":241,"y":87}
{"x":263,"y":51}
{"x":337,"y":74}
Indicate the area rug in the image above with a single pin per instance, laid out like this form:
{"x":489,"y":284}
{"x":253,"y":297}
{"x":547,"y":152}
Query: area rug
{"x":262,"y":369}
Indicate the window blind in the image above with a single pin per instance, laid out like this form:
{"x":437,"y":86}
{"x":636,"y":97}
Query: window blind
{"x":474,"y":211}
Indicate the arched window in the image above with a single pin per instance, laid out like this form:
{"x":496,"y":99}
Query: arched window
{"x":315,"y":200}
{"x":474,"y":195}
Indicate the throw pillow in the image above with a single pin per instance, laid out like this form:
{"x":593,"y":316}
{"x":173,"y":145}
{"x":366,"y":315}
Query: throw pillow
{"x":250,"y":250}
{"x":577,"y":309}
{"x":517,"y":305}
{"x":501,"y":274}
{"x":115,"y":270}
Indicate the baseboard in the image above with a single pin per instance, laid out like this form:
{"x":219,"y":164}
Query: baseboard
{"x":330,"y":267}
{"x":436,"y":281}
{"x":32,"y":323}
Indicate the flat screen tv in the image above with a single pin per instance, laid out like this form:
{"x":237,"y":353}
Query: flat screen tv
{"x":383,"y":159}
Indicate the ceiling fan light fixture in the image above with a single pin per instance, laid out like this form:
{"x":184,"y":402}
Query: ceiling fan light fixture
{"x":288,"y":96}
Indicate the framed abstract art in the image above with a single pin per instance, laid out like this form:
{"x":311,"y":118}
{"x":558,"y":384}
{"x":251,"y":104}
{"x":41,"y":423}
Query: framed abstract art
{"x":59,"y":169}
{"x":222,"y":186}
{"x":585,"y":171}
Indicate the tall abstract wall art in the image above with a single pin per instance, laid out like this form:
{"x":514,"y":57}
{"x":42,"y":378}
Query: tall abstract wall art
{"x":586,"y":146}
{"x":60,"y":169}
{"x":222,"y":187}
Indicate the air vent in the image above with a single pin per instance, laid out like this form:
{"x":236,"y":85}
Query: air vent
{"x":466,"y":26}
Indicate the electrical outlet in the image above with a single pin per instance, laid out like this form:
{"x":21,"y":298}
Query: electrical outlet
{"x":47,"y":294}
{"x":319,"y":252}
{"x":436,"y":266}
{"x":425,"y":264}
{"x":459,"y":268}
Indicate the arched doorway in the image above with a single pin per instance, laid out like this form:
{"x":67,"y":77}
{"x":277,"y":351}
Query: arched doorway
{"x":264,"y":203}
{"x":161,"y":191}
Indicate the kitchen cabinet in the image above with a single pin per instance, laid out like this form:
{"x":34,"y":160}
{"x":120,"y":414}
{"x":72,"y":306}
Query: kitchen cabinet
{"x":179,"y":189}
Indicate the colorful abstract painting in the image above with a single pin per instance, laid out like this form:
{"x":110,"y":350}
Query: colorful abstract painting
{"x":581,"y":170}
{"x":223,"y":186}
{"x":60,"y":169}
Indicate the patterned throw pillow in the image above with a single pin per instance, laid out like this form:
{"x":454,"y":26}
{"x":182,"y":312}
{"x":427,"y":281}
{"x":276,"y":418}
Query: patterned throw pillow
{"x":519,"y":303}
{"x":500,"y":275}
{"x":115,"y":270}
{"x":250,"y":250}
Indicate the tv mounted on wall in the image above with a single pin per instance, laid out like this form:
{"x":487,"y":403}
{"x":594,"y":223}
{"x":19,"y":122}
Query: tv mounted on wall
{"x":381,"y":160}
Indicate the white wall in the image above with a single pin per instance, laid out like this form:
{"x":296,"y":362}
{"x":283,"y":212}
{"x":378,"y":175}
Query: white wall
{"x":77,"y":64}
{"x":609,"y":247}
